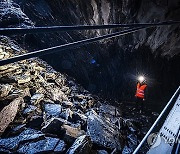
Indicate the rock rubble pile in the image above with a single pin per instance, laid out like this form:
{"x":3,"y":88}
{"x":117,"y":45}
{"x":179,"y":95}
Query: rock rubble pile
{"x":42,"y":110}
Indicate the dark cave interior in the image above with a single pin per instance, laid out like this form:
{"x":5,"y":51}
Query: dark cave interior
{"x":116,"y":62}
{"x":85,"y":97}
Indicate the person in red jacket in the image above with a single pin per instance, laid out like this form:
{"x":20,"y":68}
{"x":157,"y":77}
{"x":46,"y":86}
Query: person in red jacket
{"x":140,"y":92}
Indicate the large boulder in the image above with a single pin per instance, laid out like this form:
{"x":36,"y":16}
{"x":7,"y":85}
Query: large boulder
{"x":46,"y":145}
{"x":13,"y":142}
{"x":102,"y":132}
{"x":8,"y":114}
{"x":53,"y":126}
{"x":109,"y":112}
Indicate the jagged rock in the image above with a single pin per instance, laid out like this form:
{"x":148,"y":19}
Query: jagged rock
{"x":79,"y":106}
{"x":13,"y":142}
{"x":40,"y":90}
{"x":55,"y":93}
{"x":130,"y":125}
{"x":8,"y":114}
{"x":85,"y":104}
{"x":66,"y":114}
{"x":102,"y":152}
{"x":35,"y":99}
{"x":4,"y":55}
{"x":26,"y":92}
{"x":51,"y":76}
{"x":65,"y":89}
{"x":5,"y":89}
{"x":29,"y":109}
{"x":24,"y":79}
{"x":76,"y":117}
{"x":132,"y":141}
{"x":127,"y":150}
{"x":61,"y":147}
{"x":90,"y":103}
{"x":72,"y":133}
{"x":39,"y":68}
{"x":2,"y":68}
{"x":54,"y":126}
{"x":109,"y":109}
{"x":60,"y":81}
{"x":109,"y":112}
{"x":67,"y":104}
{"x":42,"y":86}
{"x":12,"y":14}
{"x":7,"y":69}
{"x":41,"y":79}
{"x":52,"y":110}
{"x":35,"y":122}
{"x":58,"y":95}
{"x":82,"y":145}
{"x":18,"y":129}
{"x":82,"y":117}
{"x":102,"y":132}
{"x":46,"y":145}
{"x":17,"y":93}
{"x":2,"y":150}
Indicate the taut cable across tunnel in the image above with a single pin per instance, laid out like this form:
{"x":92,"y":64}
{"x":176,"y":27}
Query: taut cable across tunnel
{"x":74,"y":44}
{"x":14,"y":31}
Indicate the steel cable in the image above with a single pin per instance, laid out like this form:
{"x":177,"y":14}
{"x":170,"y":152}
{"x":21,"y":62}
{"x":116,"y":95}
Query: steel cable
{"x":14,"y":31}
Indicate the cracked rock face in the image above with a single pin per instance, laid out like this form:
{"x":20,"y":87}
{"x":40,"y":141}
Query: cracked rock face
{"x":12,"y":15}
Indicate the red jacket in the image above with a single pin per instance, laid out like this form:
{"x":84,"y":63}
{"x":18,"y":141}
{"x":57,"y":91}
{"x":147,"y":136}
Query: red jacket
{"x":140,"y":90}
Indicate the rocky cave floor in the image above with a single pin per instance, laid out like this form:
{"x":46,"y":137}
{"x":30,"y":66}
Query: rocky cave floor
{"x":43,"y":111}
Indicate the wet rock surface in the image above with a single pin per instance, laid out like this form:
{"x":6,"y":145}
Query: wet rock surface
{"x":50,"y":113}
{"x":52,"y":110}
{"x":82,"y":145}
{"x":102,"y":132}
{"x":46,"y":145}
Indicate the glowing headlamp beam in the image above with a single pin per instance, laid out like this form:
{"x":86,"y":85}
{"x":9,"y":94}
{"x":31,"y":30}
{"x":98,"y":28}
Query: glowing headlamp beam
{"x":141,"y":78}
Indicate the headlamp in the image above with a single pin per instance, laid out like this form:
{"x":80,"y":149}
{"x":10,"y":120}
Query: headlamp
{"x":141,"y":78}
